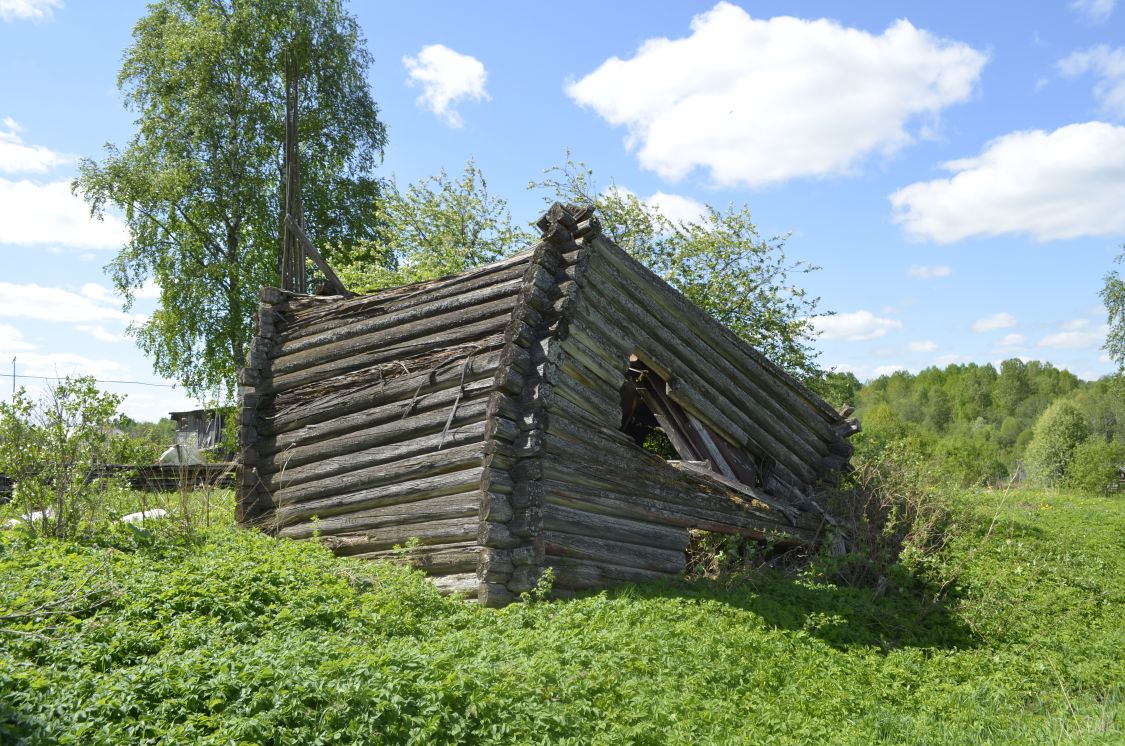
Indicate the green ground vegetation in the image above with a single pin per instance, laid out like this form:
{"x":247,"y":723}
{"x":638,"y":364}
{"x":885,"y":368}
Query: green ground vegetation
{"x":177,"y":632}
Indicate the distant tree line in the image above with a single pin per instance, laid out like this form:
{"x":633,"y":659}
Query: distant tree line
{"x":981,"y":425}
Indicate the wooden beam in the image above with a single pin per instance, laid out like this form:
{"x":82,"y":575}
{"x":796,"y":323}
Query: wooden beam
{"x":313,"y":254}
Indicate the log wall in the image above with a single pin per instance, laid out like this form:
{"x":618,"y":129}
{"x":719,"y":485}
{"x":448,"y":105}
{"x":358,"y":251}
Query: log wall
{"x":481,"y":416}
{"x":364,"y":421}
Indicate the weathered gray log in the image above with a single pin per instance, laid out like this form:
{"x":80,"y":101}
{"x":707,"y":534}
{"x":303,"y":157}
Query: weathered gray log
{"x":401,"y":492}
{"x":286,"y":360}
{"x":609,"y":552}
{"x":411,"y":387}
{"x":449,"y":531}
{"x":464,"y":585}
{"x":384,"y":455}
{"x":578,"y":574}
{"x":415,"y":467}
{"x":321,"y":443}
{"x":439,"y":559}
{"x":346,"y":325}
{"x":459,"y":505}
{"x":564,"y":519}
{"x":416,"y":342}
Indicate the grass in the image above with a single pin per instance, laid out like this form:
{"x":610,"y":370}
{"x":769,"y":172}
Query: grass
{"x":225,"y":636}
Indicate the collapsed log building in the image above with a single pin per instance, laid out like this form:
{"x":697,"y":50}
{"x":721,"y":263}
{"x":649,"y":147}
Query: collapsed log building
{"x":494,"y":420}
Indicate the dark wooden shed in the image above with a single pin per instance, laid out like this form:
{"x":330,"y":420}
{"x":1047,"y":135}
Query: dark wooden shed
{"x":493,"y":420}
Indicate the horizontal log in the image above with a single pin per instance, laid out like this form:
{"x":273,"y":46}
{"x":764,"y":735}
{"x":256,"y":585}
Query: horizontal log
{"x":307,"y":315}
{"x":371,"y":520}
{"x":465,"y":585}
{"x":609,"y":552}
{"x":291,"y":412}
{"x":415,"y":467}
{"x":316,"y":444}
{"x":596,"y":524}
{"x":482,"y":333}
{"x":376,"y":318}
{"x":439,"y":559}
{"x":400,"y":492}
{"x":388,"y":454}
{"x":452,"y":530}
{"x":579,"y":574}
{"x":286,"y":360}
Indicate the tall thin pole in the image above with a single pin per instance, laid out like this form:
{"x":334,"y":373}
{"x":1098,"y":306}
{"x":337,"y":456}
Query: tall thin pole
{"x":13,"y":377}
{"x":292,"y":256}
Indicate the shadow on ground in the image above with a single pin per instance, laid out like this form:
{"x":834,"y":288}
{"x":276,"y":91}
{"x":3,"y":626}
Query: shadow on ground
{"x":840,"y":616}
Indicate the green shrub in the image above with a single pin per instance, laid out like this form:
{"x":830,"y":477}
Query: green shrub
{"x":1095,"y":464}
{"x":50,"y":447}
{"x":1058,"y":431}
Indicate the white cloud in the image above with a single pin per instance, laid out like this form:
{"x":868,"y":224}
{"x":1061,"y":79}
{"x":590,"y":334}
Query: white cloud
{"x":11,"y":340}
{"x":994,"y":321}
{"x":100,"y":333}
{"x":447,"y":78}
{"x":1063,"y":184}
{"x":677,"y":207}
{"x":1010,"y":342}
{"x":1076,"y":334}
{"x":34,"y":214}
{"x":951,"y":358}
{"x":16,"y":157}
{"x":887,"y":370}
{"x":149,"y":290}
{"x":62,"y":364}
{"x":58,"y":305}
{"x":28,"y":10}
{"x":924,"y":272}
{"x":1108,"y":65}
{"x":1094,"y":11}
{"x":922,"y":346}
{"x":761,"y":101}
{"x":857,"y":326}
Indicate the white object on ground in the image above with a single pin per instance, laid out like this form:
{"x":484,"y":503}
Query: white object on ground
{"x":144,"y":515}
{"x":183,"y":454}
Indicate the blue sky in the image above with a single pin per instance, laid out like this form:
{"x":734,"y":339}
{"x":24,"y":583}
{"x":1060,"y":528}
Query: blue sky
{"x":957,"y":170}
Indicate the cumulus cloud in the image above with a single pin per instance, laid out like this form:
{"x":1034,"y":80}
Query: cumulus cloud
{"x":857,"y":326}
{"x":447,"y":78}
{"x":924,"y":272}
{"x":16,"y":157}
{"x":994,"y":321}
{"x":100,"y":333}
{"x":677,"y":207}
{"x":1050,"y":185}
{"x":762,"y":101}
{"x":1108,"y":67}
{"x":1076,"y":334}
{"x":62,"y":364}
{"x":11,"y":340}
{"x":927,"y":345}
{"x":1010,"y":342}
{"x":1094,"y":11}
{"x":887,"y":370}
{"x":35,"y":214}
{"x":28,"y":10}
{"x":58,"y":305}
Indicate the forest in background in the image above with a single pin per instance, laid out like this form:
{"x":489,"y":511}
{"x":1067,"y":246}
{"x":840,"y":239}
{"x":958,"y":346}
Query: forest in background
{"x":981,"y":426}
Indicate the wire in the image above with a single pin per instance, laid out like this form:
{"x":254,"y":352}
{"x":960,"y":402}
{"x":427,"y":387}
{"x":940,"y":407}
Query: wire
{"x":96,"y":380}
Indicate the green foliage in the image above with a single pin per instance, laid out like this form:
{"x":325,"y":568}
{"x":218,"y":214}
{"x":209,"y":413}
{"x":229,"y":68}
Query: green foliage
{"x":718,"y":261}
{"x":230,"y":636}
{"x":49,"y":446}
{"x":1095,"y":464}
{"x":1113,"y":296}
{"x":200,"y":181}
{"x":437,"y":226}
{"x":1058,"y":432}
{"x":836,"y":388}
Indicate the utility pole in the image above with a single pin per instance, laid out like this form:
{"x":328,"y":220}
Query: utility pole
{"x":292,"y":267}
{"x":13,"y":377}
